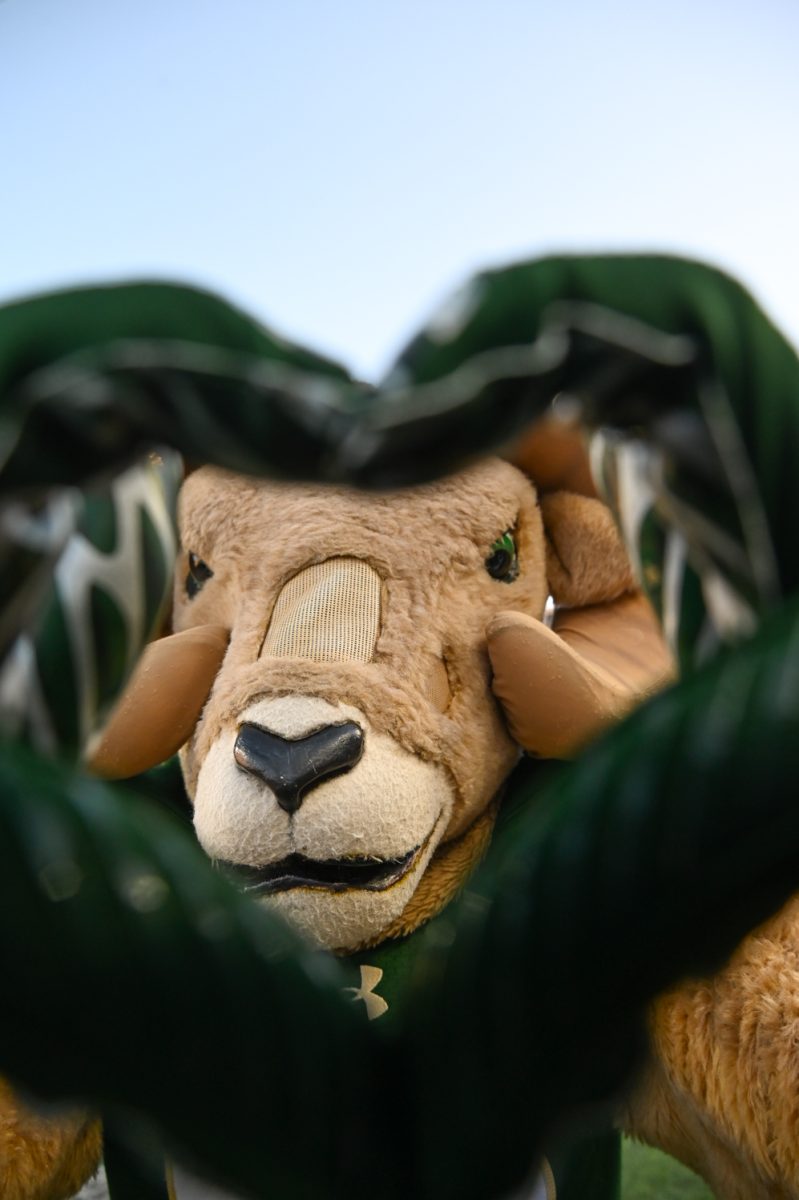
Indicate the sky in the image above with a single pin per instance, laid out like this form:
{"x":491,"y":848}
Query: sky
{"x":337,"y":167}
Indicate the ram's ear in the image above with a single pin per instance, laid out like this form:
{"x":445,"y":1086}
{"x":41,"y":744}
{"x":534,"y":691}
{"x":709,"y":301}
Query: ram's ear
{"x":161,"y":704}
{"x":563,"y":686}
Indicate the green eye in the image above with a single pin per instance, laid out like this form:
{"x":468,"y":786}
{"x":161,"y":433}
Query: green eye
{"x":199,"y":572}
{"x":503,"y":561}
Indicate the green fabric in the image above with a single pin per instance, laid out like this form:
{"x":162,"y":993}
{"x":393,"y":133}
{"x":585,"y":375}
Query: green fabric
{"x":587,"y":1168}
{"x":583,"y":1168}
{"x":670,"y":354}
{"x":98,"y":375}
{"x":132,"y":1174}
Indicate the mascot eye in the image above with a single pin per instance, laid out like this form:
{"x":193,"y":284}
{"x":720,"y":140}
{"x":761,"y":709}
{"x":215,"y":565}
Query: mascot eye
{"x":503,"y":561}
{"x":198,"y":573}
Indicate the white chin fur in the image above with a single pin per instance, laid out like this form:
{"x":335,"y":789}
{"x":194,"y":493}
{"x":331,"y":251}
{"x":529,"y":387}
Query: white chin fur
{"x":344,"y":920}
{"x":388,"y":804}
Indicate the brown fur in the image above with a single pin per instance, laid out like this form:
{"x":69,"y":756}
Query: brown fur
{"x":44,"y":1158}
{"x":553,"y":453}
{"x":724,"y":1097}
{"x":586,"y":561}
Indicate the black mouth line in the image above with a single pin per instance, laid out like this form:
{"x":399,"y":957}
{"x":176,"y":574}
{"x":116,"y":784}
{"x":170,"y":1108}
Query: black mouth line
{"x":333,"y":875}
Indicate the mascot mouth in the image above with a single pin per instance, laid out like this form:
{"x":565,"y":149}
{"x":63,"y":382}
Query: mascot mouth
{"x":332,"y":875}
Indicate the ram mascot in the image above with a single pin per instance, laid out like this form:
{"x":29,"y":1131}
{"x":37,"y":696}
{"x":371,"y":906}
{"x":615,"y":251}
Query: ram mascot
{"x":349,"y":680}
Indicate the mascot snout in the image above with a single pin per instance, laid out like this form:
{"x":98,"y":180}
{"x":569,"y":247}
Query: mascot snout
{"x":312,"y":810}
{"x":292,"y":767}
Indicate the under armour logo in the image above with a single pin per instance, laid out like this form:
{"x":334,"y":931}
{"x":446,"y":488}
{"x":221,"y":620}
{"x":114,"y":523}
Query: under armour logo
{"x":375,"y":1005}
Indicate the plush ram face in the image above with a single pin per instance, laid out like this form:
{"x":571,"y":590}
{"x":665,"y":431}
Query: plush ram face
{"x":335,"y":674}
{"x":351,"y":729}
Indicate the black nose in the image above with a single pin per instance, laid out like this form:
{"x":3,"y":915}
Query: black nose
{"x":292,"y":767}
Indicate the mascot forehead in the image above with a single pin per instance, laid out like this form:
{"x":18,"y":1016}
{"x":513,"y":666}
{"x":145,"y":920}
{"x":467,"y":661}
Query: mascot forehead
{"x":219,"y":510}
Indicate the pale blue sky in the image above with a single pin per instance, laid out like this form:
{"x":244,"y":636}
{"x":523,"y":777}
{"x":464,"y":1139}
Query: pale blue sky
{"x":336,"y":167}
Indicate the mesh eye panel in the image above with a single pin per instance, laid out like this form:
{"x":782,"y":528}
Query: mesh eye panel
{"x":329,"y":612}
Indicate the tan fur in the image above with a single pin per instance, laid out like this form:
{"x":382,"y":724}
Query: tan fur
{"x":622,"y":639}
{"x":451,"y":867}
{"x":425,"y":683}
{"x":162,"y":717}
{"x":662,"y":1115}
{"x":44,"y":1158}
{"x":725,"y":1096}
{"x":586,"y":561}
{"x":429,"y":546}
